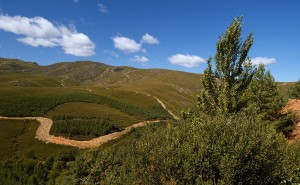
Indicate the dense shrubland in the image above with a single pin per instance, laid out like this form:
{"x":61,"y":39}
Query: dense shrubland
{"x":81,"y":129}
{"x":40,"y":105}
{"x":211,"y":150}
{"x":81,"y":121}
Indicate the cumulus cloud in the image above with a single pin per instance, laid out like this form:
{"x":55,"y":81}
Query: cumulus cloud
{"x":263,"y":60}
{"x":126,"y":44}
{"x":102,"y":8}
{"x":186,"y":60}
{"x":141,"y":59}
{"x":149,"y":39}
{"x":38,"y":31}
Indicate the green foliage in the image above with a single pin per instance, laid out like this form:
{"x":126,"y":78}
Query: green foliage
{"x":40,"y":105}
{"x":209,"y":150}
{"x":224,"y":87}
{"x":81,"y":110}
{"x":34,"y":171}
{"x":83,"y":128}
{"x":262,"y":96}
{"x":294,"y":91}
{"x":265,"y":102}
{"x":18,"y":139}
{"x":216,"y":150}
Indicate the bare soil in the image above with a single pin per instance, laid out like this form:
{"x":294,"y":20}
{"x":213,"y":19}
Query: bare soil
{"x":293,"y":106}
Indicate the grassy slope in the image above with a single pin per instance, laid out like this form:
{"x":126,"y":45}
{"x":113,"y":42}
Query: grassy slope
{"x":178,"y":90}
{"x":284,"y":87}
{"x":18,"y":138}
{"x":90,"y":111}
{"x":181,"y":86}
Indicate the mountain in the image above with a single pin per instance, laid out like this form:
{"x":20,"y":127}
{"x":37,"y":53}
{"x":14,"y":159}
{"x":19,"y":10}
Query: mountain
{"x":177,"y":89}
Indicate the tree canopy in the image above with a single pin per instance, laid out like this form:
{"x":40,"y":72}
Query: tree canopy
{"x":224,"y":87}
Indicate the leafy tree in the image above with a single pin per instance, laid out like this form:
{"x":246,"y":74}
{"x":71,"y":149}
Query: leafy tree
{"x":294,"y":91}
{"x":264,"y":101}
{"x":263,"y":96}
{"x":224,"y":87}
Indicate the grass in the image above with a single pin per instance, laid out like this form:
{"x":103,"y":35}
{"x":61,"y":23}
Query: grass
{"x":84,"y":121}
{"x":18,"y":139}
{"x":81,"y":110}
{"x":284,"y":87}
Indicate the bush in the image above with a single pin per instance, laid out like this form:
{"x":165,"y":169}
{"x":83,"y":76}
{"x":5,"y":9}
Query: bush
{"x":83,"y":127}
{"x":216,"y":150}
{"x":294,"y":91}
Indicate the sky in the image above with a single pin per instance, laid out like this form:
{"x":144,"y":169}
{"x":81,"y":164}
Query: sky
{"x":169,"y":34}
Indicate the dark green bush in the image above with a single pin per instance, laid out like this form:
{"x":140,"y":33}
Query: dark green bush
{"x":83,"y":127}
{"x":218,"y":150}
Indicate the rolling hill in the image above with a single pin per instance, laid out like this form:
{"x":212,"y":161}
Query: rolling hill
{"x":177,"y":89}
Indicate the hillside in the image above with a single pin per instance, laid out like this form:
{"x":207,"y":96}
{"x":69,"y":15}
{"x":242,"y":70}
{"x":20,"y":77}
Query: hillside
{"x":25,"y":76}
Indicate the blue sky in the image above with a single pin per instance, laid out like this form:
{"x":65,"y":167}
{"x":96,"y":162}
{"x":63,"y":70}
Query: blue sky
{"x":169,"y":34}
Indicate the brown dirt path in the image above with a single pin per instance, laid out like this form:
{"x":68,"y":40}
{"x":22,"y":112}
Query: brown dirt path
{"x":43,"y":132}
{"x":63,"y":81}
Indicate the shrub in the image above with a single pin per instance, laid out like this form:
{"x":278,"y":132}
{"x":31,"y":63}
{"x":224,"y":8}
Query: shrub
{"x":213,"y":150}
{"x":294,"y":91}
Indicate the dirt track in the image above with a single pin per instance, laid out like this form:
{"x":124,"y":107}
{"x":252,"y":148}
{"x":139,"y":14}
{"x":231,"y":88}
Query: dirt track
{"x":43,"y":132}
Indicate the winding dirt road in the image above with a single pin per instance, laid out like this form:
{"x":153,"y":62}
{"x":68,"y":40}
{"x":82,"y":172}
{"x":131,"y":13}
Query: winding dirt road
{"x":63,"y":81}
{"x":43,"y":132}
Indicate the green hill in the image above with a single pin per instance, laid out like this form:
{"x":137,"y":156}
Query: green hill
{"x":18,"y":76}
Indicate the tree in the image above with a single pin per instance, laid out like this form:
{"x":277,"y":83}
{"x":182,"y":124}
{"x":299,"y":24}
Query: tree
{"x":294,"y":91}
{"x":262,"y":96}
{"x":233,"y":73}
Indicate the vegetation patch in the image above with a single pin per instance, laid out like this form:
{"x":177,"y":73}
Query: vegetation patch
{"x":83,"y":129}
{"x":82,"y":110}
{"x":18,"y":138}
{"x":40,"y":105}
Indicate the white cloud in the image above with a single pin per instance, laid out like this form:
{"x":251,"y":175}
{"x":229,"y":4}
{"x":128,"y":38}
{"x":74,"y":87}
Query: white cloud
{"x":149,"y":39}
{"x":76,"y":1}
{"x":77,"y":44}
{"x":102,"y":8}
{"x":36,"y":42}
{"x":126,"y":45}
{"x":186,"y":60}
{"x":141,"y":59}
{"x":33,"y":27}
{"x":263,"y":60}
{"x":38,"y":31}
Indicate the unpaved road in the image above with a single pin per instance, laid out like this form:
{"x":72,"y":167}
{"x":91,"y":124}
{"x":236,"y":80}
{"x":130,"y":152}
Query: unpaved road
{"x":63,"y":81}
{"x":43,"y":132}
